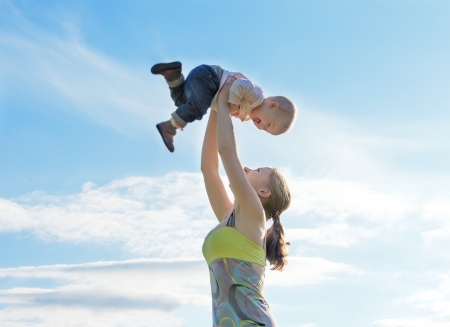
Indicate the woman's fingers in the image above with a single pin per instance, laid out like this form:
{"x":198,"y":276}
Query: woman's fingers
{"x":225,"y":90}
{"x":229,"y":81}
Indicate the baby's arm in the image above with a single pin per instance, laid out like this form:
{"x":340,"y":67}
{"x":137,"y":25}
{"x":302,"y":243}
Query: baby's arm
{"x":234,"y":110}
{"x":244,"y":89}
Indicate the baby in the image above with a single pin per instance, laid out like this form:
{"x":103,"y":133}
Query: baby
{"x":198,"y":92}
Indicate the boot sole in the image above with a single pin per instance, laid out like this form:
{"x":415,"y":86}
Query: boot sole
{"x":162,"y":136}
{"x":158,"y":68}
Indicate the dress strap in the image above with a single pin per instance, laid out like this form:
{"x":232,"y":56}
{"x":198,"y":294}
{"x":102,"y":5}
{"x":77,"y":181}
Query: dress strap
{"x":230,"y":222}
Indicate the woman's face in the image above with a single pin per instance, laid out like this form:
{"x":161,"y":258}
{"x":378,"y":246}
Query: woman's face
{"x":259,"y":178}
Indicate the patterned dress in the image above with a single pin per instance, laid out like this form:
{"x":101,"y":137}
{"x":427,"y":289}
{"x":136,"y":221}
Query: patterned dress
{"x":236,"y":287}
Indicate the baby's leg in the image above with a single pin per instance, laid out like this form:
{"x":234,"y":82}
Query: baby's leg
{"x":177,"y":95}
{"x":200,"y":88}
{"x":173,"y":74}
{"x":193,"y":98}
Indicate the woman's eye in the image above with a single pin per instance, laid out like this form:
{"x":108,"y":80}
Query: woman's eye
{"x":258,"y":170}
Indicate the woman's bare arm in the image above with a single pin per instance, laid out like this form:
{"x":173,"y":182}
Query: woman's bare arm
{"x":242,"y":189}
{"x":215,"y":189}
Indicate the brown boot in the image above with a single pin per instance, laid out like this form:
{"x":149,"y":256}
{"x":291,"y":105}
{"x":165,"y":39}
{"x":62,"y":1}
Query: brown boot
{"x":171,"y":71}
{"x":167,"y":132}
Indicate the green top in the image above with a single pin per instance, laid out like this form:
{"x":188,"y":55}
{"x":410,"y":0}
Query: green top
{"x":227,"y":242}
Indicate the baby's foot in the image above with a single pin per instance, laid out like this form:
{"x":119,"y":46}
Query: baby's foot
{"x":167,"y":132}
{"x":171,"y":71}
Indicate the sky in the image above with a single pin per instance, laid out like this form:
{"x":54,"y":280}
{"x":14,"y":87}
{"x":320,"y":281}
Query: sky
{"x":101,"y":226}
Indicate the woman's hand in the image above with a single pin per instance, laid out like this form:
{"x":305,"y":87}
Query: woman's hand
{"x":224,"y":95}
{"x":224,"y":92}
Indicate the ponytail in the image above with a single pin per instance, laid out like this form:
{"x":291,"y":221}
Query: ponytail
{"x":279,"y":201}
{"x":276,"y":247}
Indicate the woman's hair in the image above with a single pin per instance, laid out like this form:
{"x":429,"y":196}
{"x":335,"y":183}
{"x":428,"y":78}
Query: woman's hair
{"x":278,"y":201}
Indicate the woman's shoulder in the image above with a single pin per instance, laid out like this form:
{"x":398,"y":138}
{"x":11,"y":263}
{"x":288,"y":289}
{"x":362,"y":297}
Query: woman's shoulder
{"x":251,"y":225}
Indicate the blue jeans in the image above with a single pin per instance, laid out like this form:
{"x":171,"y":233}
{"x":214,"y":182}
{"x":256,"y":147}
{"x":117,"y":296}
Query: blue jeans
{"x":194,"y":96}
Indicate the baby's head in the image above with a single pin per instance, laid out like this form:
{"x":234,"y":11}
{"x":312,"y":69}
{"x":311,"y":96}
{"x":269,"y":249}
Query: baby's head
{"x":275,"y":115}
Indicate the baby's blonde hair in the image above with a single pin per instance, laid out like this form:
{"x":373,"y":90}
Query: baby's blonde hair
{"x":287,"y":110}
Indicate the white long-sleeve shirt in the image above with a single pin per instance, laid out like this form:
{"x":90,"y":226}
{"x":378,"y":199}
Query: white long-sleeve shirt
{"x":243,"y":93}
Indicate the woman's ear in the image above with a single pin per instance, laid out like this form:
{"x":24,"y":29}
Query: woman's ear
{"x":265,"y":193}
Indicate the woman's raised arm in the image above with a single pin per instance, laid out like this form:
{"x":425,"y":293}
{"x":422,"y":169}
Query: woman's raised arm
{"x":215,"y":189}
{"x":242,"y":189}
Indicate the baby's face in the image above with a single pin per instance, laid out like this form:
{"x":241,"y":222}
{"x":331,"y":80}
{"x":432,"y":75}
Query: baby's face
{"x":268,"y":118}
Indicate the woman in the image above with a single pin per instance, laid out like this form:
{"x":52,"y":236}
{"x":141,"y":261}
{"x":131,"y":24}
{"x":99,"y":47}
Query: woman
{"x":237,"y":248}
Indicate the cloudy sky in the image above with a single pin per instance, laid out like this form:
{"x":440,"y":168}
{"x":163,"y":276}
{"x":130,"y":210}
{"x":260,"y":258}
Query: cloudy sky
{"x":101,"y":226}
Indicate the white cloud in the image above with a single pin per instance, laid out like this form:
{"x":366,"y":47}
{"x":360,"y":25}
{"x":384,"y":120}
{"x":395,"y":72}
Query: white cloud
{"x":340,"y":200}
{"x":13,"y":217}
{"x":22,"y":316}
{"x":106,"y":293}
{"x":169,"y":216}
{"x":432,"y":304}
{"x":107,"y":285}
{"x":436,"y":235}
{"x":308,"y":271}
{"x":133,"y":293}
{"x":437,"y":212}
{"x":333,"y":234}
{"x":150,"y":216}
{"x":63,"y":72}
{"x":436,"y":301}
{"x":419,"y":322}
{"x":438,"y":209}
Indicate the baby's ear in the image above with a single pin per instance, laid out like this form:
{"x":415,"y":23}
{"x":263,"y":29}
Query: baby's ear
{"x":274,"y":105}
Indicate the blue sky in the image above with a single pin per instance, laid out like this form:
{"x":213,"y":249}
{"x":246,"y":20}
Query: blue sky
{"x":101,"y":226}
